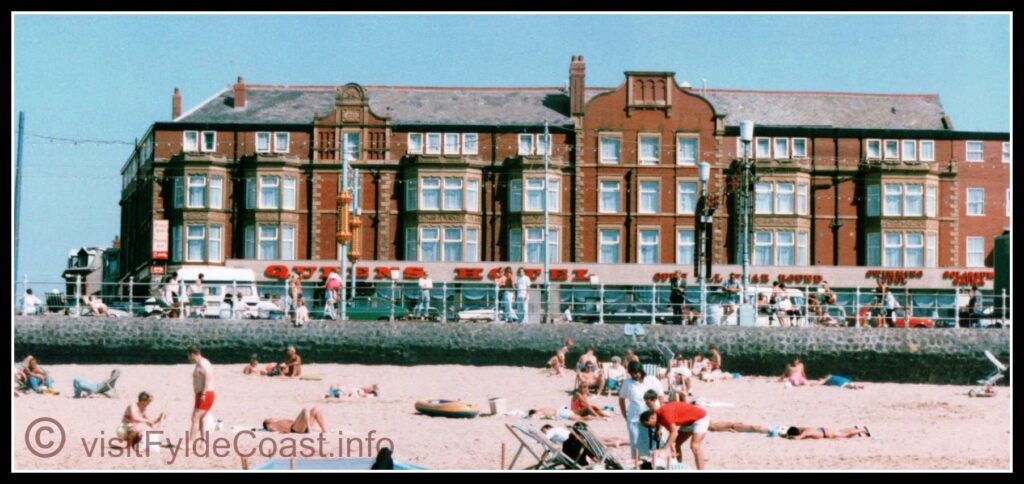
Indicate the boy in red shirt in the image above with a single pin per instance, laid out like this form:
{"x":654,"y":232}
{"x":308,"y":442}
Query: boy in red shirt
{"x":682,"y":420}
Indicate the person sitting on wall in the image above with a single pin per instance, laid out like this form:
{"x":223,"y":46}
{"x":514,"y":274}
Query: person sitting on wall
{"x":301,"y":312}
{"x":96,"y":306}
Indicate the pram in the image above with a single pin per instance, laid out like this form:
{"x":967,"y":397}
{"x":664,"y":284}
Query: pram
{"x":986,"y":386}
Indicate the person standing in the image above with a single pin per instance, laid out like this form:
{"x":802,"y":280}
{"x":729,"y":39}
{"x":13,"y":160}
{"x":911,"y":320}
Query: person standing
{"x":732,"y":290}
{"x":294,"y":294}
{"x":202,"y":384}
{"x":499,"y":283}
{"x":423,"y":308}
{"x":677,"y":296}
{"x":523,"y":294}
{"x":508,"y":294}
{"x":30,"y":304}
{"x":631,"y":403}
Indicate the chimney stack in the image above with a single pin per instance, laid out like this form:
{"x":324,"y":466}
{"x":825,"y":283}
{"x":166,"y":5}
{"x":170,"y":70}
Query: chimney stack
{"x":577,"y":71}
{"x":176,"y":104}
{"x":240,"y":93}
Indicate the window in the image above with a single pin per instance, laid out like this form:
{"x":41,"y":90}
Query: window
{"x":515,"y":245}
{"x":648,"y":249}
{"x":610,"y":149}
{"x":216,"y":192}
{"x":209,"y":141}
{"x":740,"y":148}
{"x":874,"y":195}
{"x":472,"y":245}
{"x":784,"y":198}
{"x":687,"y":151}
{"x":431,"y":193}
{"x":893,"y":250}
{"x":762,"y":248}
{"x":762,"y":148}
{"x":351,"y":145}
{"x":415,"y":141}
{"x":763,"y":198}
{"x":975,"y":201}
{"x":648,"y":150}
{"x":874,"y":149}
{"x":1009,"y":203}
{"x":263,"y":142}
{"x":554,"y":194}
{"x":451,"y":143}
{"x":648,"y":197}
{"x":975,"y":251}
{"x":913,"y":202}
{"x":893,"y":199}
{"x":914,"y":253}
{"x":609,"y":246}
{"x":430,"y":247}
{"x":873,"y":249}
{"x":250,"y":242}
{"x":453,"y":193}
{"x":433,"y":143}
{"x":975,"y":151}
{"x":801,"y":248}
{"x":281,"y":142}
{"x":782,"y":148}
{"x":250,"y":193}
{"x":931,"y":250}
{"x":269,"y":192}
{"x":609,"y":201}
{"x":892,"y":149}
{"x":927,"y":150}
{"x":909,"y":150}
{"x":929,"y":200}
{"x":469,"y":144}
{"x":410,"y":195}
{"x":685,"y":243}
{"x":799,"y":147}
{"x":1006,"y":153}
{"x":288,"y":193}
{"x":179,"y":192}
{"x":801,"y":198}
{"x":196,"y":191}
{"x":543,"y":144}
{"x":215,"y":244}
{"x":196,"y":235}
{"x":268,"y":242}
{"x":525,"y":144}
{"x":176,"y":243}
{"x":686,"y":197}
{"x":535,"y":245}
{"x":784,"y":253}
{"x":190,"y":142}
{"x":515,"y":195}
{"x":453,"y":243}
{"x":410,"y":243}
{"x":473,"y":195}
{"x":287,"y":242}
{"x":534,"y":194}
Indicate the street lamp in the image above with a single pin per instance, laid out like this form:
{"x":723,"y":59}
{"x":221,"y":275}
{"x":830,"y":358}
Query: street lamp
{"x":704,"y":174}
{"x":746,"y":137}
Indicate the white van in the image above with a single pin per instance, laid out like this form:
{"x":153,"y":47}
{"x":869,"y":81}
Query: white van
{"x":217,"y":282}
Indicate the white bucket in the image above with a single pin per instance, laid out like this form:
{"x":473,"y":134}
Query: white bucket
{"x":498,"y":405}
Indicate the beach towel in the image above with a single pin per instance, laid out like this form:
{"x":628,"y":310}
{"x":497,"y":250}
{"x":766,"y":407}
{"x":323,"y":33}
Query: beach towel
{"x":311,"y":377}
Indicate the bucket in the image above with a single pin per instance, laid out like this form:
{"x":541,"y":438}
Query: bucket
{"x":497,"y":406}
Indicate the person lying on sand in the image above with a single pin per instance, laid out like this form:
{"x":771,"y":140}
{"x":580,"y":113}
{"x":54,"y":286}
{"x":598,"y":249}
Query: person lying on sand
{"x":716,"y":375}
{"x":581,"y":405}
{"x":135,"y":423}
{"x":339,"y":391}
{"x":801,"y":433}
{"x":737,"y":427}
{"x":548,"y":413}
{"x":300,"y":425}
{"x":794,"y":374}
{"x":839,"y":381}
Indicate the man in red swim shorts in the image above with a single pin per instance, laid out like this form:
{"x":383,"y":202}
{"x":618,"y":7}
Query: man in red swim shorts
{"x":202,"y":383}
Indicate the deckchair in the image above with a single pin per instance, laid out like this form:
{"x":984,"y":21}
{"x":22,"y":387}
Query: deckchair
{"x":551,"y":458}
{"x":594,"y":445}
{"x":110,"y":385}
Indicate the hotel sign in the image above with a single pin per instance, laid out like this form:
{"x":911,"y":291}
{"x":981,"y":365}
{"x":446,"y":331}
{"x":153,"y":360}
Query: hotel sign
{"x":160,"y":244}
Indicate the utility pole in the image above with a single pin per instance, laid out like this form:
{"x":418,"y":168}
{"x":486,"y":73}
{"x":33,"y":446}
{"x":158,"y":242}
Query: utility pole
{"x":17,"y":193}
{"x":342,"y":309}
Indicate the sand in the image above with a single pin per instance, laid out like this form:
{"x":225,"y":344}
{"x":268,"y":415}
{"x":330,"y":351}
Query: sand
{"x":914,"y":426}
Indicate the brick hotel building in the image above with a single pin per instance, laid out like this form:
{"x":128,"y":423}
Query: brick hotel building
{"x":451,"y":179}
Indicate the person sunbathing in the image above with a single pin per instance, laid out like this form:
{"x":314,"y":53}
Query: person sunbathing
{"x":548,"y":413}
{"x":802,"y":433}
{"x":135,"y":423}
{"x":587,"y":357}
{"x":737,"y":427}
{"x":581,"y":405}
{"x":339,"y":391}
{"x":699,"y":365}
{"x":794,"y":374}
{"x":300,"y":425}
{"x":839,"y":381}
{"x":590,"y":377}
{"x":679,"y":384}
{"x":613,"y":376}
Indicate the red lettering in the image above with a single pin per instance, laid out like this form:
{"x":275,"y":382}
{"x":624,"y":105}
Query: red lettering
{"x":304,"y":272}
{"x":559,"y":275}
{"x":533,"y":274}
{"x":412,"y":272}
{"x":580,"y":275}
{"x":362,"y":272}
{"x":467,"y":273}
{"x":382,"y":272}
{"x":276,"y":271}
{"x":494,"y":273}
{"x":817,"y":279}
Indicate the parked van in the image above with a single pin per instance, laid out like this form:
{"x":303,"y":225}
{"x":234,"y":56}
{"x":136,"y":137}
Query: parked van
{"x":217,"y":282}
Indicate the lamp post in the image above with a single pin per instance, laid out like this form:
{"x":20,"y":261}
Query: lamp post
{"x":703,"y":173}
{"x":746,"y":137}
{"x":544,"y":295}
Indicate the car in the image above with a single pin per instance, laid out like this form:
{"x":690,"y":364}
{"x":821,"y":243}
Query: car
{"x":366,"y":309}
{"x":900,"y":319}
{"x":477,"y":314}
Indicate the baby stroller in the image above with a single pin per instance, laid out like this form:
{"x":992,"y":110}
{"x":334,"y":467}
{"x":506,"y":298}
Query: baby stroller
{"x":986,"y":386}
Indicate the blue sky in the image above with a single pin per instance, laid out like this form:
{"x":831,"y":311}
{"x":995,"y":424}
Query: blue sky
{"x":109,"y":77}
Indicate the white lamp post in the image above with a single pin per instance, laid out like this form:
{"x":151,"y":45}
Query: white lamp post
{"x":704,"y":174}
{"x":746,"y":137}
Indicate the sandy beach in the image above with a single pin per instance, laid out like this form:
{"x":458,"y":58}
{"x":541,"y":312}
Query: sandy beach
{"x":913,"y":426}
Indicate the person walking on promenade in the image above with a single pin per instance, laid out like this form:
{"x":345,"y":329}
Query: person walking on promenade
{"x":523,"y":294}
{"x":422,"y":309}
{"x":677,"y":296}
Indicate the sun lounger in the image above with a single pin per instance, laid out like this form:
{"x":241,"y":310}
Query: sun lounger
{"x":594,"y":445}
{"x":551,"y":457}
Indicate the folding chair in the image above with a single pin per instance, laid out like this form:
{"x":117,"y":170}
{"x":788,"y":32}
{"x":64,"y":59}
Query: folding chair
{"x":596,"y":448}
{"x":110,"y":385}
{"x":552,"y":456}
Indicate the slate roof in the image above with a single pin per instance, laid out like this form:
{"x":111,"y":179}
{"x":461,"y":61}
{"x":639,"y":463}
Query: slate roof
{"x":534,"y":106}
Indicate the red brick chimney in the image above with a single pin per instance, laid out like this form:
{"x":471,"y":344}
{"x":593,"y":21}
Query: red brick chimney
{"x":240,"y":93}
{"x":176,"y":104}
{"x":577,"y":70}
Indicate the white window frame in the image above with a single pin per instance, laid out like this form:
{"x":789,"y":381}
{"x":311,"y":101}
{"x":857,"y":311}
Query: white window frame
{"x":470,"y":148}
{"x":543,"y":144}
{"x":458,"y":242}
{"x":767,"y":153}
{"x":528,"y":137}
{"x":802,"y":193}
{"x":931,"y":241}
{"x":277,"y":141}
{"x":554,"y":194}
{"x":618,"y":196}
{"x":249,"y":241}
{"x":533,"y":186}
{"x":779,"y":196}
{"x":969,"y":202}
{"x":215,"y":254}
{"x":531,"y":241}
{"x":912,"y":156}
{"x":1007,"y":152}
{"x":263,"y":202}
{"x":968,"y":253}
{"x":641,"y":245}
{"x":692,"y":244}
{"x":617,"y":244}
{"x":189,"y":239}
{"x":426,"y":144}
{"x":775,"y":149}
{"x":642,"y":192}
{"x":423,"y":241}
{"x":472,"y":251}
{"x":770,"y":244}
{"x":930,"y":199}
{"x":906,"y":199}
{"x":451,"y":147}
{"x":202,"y":140}
{"x":641,"y":159}
{"x":439,"y":188}
{"x":411,"y":244}
{"x":260,"y":239}
{"x":268,"y":136}
{"x":885,"y":200}
{"x":931,"y":147}
{"x":896,"y":150}
{"x":907,"y":247}
{"x":284,"y":229}
{"x":289,"y":194}
{"x":456,"y":184}
{"x":412,"y":201}
{"x":680,"y":138}
{"x":967,"y":148}
{"x":759,"y":189}
{"x":867,"y":149}
{"x":409,"y":144}
{"x":779,"y":246}
{"x":472,"y":195}
{"x":215,"y":192}
{"x":679,"y":197}
{"x":600,"y":149}
{"x":801,"y":248}
{"x":189,"y":203}
{"x":800,"y":156}
{"x":885,"y":249}
{"x":185,"y":135}
{"x":250,"y":193}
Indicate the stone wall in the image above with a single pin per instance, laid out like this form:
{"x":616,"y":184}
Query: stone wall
{"x":948,"y":356}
